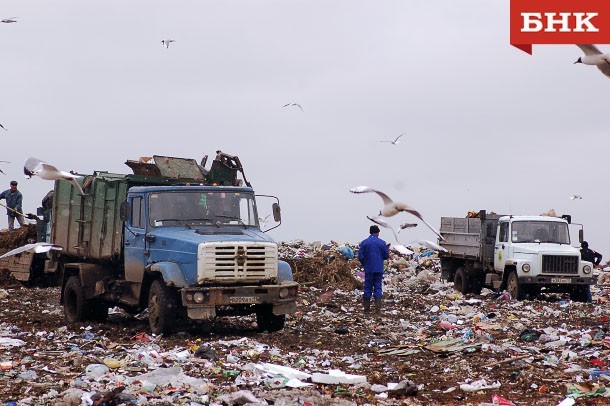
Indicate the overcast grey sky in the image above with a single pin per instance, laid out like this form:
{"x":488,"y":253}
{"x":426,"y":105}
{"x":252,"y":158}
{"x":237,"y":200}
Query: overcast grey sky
{"x":88,"y":85}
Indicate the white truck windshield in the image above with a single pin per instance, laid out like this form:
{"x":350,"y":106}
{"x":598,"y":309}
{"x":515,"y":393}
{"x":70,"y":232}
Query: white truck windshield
{"x":540,"y":231}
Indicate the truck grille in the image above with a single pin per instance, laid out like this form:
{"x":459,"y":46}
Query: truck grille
{"x":236,"y":262}
{"x":560,"y":264}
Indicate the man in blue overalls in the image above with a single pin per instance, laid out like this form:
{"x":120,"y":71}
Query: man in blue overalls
{"x":371,"y":254}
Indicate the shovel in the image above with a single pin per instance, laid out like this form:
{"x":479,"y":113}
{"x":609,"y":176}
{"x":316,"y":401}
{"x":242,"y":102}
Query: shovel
{"x":29,"y":216}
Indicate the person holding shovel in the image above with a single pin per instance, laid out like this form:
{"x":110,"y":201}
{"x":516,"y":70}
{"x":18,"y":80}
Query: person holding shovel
{"x":13,"y":205}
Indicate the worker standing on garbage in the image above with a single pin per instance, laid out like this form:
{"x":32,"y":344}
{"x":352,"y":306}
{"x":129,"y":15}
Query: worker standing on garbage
{"x":587,"y":254}
{"x":13,"y":205}
{"x":371,"y":254}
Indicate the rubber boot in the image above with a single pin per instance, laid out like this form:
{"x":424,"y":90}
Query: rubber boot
{"x":367,"y":305}
{"x":378,"y":306}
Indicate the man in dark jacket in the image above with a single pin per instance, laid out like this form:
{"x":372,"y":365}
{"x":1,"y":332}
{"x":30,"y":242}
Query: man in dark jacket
{"x":13,"y":202}
{"x":587,"y":254}
{"x":371,"y":254}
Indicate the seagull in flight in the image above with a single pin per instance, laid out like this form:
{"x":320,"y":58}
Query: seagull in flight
{"x":1,"y":171}
{"x":263,"y":220}
{"x":3,"y":127}
{"x":295,"y":105}
{"x":395,"y":141}
{"x":385,"y":224}
{"x":593,"y":56}
{"x":398,"y":247}
{"x":426,"y":244}
{"x":574,"y":197}
{"x":37,"y":248}
{"x":9,"y":20}
{"x":406,"y":225}
{"x":392,"y":208}
{"x":166,"y":42}
{"x":36,"y":167}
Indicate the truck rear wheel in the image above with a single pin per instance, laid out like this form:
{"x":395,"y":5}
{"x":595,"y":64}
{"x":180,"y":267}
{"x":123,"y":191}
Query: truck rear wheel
{"x":267,"y":321}
{"x":162,"y":308}
{"x":74,"y":301}
{"x":461,"y":281}
{"x":517,"y":291}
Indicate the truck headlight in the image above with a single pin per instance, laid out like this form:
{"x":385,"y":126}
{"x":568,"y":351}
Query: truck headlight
{"x":525,"y":267}
{"x":586,"y":269}
{"x":198,"y":297}
{"x":283,"y":293}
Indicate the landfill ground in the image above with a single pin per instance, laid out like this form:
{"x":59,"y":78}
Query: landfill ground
{"x":437,"y":342}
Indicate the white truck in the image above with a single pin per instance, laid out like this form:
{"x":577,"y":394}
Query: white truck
{"x":520,"y":254}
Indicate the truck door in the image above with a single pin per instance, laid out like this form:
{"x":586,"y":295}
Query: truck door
{"x":501,"y":250}
{"x":135,"y":231}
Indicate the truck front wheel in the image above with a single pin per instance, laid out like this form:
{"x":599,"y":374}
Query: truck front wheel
{"x":517,"y":291}
{"x":162,"y":308}
{"x":74,"y":301}
{"x":267,"y":321}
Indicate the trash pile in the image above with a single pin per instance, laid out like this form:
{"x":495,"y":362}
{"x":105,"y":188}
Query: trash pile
{"x":429,"y":345}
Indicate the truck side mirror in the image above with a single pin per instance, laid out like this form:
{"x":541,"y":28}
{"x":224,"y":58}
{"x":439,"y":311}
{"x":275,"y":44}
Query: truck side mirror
{"x":277,"y":212}
{"x":581,"y":236}
{"x":124,"y":211}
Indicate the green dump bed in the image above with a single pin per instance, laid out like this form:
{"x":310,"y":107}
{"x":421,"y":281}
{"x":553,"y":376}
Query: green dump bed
{"x":90,"y":226}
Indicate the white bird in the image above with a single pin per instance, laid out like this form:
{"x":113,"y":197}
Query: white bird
{"x":406,"y":225}
{"x":392,"y":208}
{"x":394,"y":142}
{"x":36,"y":167}
{"x":38,"y":248}
{"x":1,"y":171}
{"x":573,"y":197}
{"x":3,"y":127}
{"x":295,"y":105}
{"x":594,"y":56}
{"x":263,"y":220}
{"x":426,"y":244}
{"x":166,"y":42}
{"x":398,"y":247}
{"x":384,"y":224}
{"x":9,"y":20}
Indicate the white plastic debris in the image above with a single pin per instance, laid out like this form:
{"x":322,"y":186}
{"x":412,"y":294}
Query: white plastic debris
{"x":481,"y":384}
{"x":337,"y":377}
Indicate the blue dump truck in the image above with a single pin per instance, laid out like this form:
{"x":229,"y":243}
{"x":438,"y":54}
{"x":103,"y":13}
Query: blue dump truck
{"x":173,"y":237}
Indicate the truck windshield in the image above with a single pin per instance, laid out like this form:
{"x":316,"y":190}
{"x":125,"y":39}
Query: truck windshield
{"x":540,"y":231}
{"x":195,"y":208}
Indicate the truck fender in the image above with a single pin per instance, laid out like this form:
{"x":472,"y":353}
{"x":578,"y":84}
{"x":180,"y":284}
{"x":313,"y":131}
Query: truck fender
{"x":171,"y":272}
{"x":284,"y":272}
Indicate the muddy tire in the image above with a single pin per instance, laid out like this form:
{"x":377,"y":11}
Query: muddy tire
{"x":267,"y":321}
{"x":75,"y":306}
{"x":162,"y":308}
{"x":516,"y":290}
{"x":461,"y":281}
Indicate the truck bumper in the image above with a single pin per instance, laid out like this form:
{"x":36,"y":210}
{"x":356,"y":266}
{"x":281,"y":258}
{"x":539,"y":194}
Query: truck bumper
{"x":558,"y":280}
{"x":201,"y":302}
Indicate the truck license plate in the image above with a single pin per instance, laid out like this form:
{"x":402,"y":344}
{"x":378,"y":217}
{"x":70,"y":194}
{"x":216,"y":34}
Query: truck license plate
{"x":243,"y":299}
{"x":561,"y":280}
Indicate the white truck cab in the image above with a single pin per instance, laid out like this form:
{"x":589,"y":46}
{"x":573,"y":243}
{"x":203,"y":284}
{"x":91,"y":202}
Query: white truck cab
{"x":521,"y":254}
